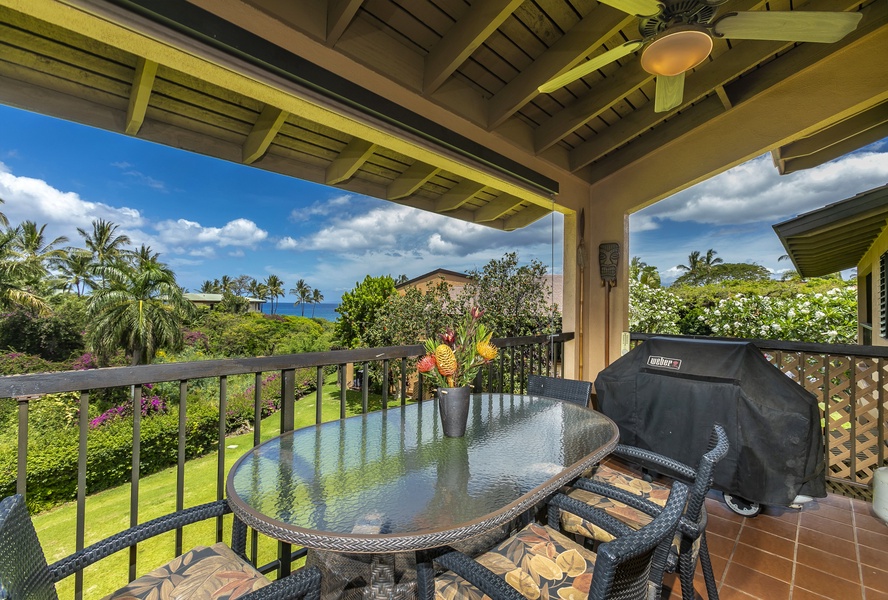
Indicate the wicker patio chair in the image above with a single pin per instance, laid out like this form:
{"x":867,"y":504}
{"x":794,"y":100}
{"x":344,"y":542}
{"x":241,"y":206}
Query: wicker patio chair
{"x":607,"y":489}
{"x":540,"y":557}
{"x":215,"y":571}
{"x":568,"y":390}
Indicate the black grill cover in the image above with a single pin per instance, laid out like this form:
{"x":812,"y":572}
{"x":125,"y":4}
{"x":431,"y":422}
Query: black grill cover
{"x":666,"y":393}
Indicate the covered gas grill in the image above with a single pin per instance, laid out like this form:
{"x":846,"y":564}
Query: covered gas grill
{"x":666,"y":393}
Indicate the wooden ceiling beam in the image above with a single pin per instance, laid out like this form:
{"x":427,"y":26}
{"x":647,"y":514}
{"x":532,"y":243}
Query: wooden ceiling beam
{"x":587,"y":36}
{"x":849,"y":144}
{"x":626,"y":80}
{"x":349,"y":161}
{"x":339,"y":14}
{"x":413,"y":178}
{"x":702,"y":112}
{"x":463,"y":214}
{"x":270,"y":121}
{"x":497,"y":208}
{"x":526,"y":216}
{"x":837,"y":133}
{"x":463,"y":38}
{"x":458,"y":195}
{"x":143,"y":83}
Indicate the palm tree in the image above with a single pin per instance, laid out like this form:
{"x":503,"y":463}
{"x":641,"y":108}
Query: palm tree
{"x":710,"y":261}
{"x":644,"y":273}
{"x":316,"y":298}
{"x":76,"y":270}
{"x":209,"y":287}
{"x":302,"y":291}
{"x":275,"y":289}
{"x":144,"y":255}
{"x":140,"y":309}
{"x":14,"y":276}
{"x":225,"y":284}
{"x":104,"y":243}
{"x":31,"y":245}
{"x":3,"y":220}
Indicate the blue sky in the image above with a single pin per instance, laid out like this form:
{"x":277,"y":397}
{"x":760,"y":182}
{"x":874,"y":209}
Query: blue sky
{"x":210,"y":218}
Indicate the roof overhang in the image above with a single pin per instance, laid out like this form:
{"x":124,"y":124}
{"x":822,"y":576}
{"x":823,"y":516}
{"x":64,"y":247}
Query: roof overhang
{"x":835,"y":237}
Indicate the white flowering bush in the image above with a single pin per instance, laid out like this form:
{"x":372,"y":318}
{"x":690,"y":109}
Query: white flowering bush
{"x":829,"y":317}
{"x":652,"y":310}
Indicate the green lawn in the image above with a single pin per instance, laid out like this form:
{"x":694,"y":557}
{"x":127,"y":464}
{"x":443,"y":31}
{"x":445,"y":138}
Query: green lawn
{"x":107,"y":512}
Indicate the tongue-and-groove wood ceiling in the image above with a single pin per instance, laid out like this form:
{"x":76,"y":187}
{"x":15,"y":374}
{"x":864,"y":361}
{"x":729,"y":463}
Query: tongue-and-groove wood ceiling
{"x":429,"y":103}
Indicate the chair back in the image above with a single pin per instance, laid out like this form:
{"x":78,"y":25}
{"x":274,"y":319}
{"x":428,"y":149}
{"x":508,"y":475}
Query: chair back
{"x":718,"y":448}
{"x":568,"y":390}
{"x":23,"y":569}
{"x":622,"y":567}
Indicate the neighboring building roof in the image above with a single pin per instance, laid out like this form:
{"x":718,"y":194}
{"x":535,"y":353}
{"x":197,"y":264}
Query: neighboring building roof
{"x":835,"y":237}
{"x":443,"y":273}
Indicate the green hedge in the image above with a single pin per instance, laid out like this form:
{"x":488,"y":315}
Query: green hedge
{"x":52,"y":460}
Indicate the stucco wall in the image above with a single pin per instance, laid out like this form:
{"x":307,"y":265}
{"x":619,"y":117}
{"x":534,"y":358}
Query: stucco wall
{"x":870,"y":264}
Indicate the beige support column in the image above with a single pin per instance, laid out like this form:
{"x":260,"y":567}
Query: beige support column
{"x":604,"y":318}
{"x":570,"y":300}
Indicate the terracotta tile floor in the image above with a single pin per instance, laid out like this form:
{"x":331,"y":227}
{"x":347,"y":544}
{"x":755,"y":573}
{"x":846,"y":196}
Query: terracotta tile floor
{"x":834,"y":548}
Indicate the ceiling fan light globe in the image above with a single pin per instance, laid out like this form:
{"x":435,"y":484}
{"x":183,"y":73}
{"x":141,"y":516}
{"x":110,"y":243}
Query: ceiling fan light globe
{"x":676,"y":51}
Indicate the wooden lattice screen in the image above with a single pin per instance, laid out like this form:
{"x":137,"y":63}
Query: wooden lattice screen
{"x":850,"y":394}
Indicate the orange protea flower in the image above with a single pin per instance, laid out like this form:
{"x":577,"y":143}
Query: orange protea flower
{"x":426,"y":363}
{"x":486,"y":350}
{"x":446,"y":360}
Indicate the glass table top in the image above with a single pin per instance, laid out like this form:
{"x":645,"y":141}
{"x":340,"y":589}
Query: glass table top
{"x":391,"y":481}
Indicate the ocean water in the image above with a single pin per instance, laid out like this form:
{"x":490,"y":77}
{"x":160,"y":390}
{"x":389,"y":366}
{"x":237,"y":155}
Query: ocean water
{"x":324,"y":310}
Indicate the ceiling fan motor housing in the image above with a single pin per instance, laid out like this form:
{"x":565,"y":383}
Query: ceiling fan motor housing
{"x":679,"y":12}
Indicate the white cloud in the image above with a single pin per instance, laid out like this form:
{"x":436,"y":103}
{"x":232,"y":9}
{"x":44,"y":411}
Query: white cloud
{"x":206,"y":252}
{"x":322,"y":208}
{"x":33,"y":199}
{"x":239,"y":232}
{"x":756,"y":192}
{"x":236,"y":253}
{"x":287,"y":243}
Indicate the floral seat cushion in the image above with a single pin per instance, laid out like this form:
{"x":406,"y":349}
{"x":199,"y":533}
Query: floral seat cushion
{"x":204,"y":573}
{"x":537,"y":561}
{"x":652,"y":491}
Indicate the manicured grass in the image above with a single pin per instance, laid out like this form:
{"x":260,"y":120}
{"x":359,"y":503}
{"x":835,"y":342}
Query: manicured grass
{"x":108,"y":512}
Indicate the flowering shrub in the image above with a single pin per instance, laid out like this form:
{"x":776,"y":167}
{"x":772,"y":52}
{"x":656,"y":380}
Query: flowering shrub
{"x":196,"y":339}
{"x":652,"y":310}
{"x":150,"y":406}
{"x":829,"y":317}
{"x":15,"y":363}
{"x":84,"y":361}
{"x":241,"y":411}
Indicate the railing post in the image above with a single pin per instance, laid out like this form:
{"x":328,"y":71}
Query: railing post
{"x":180,"y":459}
{"x":319,"y":395}
{"x":342,"y":389}
{"x":365,"y":385}
{"x":220,"y":457}
{"x":404,"y":381}
{"x":385,"y":384}
{"x":83,"y":427}
{"x":288,"y":400}
{"x":136,"y":393}
{"x":21,"y":479}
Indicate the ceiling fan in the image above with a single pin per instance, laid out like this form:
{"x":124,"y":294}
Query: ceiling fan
{"x":677,"y":36}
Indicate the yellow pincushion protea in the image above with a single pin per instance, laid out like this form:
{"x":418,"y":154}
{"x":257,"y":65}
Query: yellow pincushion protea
{"x":446,"y":360}
{"x":485,"y":349}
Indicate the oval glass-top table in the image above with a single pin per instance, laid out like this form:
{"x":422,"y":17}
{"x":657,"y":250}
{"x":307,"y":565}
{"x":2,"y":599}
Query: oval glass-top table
{"x":390,"y":481}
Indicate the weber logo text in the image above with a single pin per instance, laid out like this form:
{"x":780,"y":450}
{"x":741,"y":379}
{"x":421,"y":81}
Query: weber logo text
{"x":665,"y":363}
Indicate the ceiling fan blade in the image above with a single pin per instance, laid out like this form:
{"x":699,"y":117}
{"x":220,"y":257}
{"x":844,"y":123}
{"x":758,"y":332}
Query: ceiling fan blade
{"x":670,"y":91}
{"x":640,"y":8}
{"x":786,"y":26}
{"x":593,"y":64}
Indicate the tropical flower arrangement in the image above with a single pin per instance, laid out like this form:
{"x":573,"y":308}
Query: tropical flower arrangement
{"x":454,"y":360}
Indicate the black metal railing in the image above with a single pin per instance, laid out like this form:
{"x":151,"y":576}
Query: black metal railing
{"x":390,"y":368}
{"x":849,"y":382}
